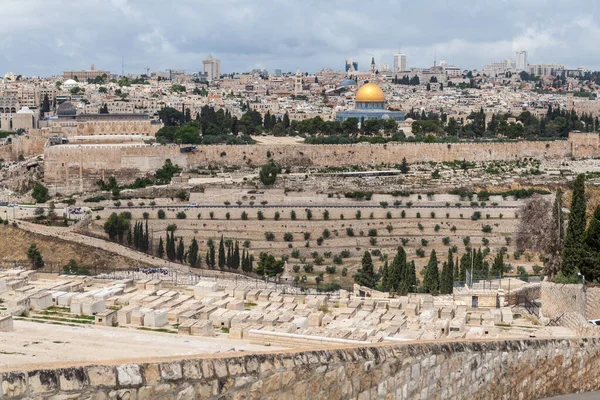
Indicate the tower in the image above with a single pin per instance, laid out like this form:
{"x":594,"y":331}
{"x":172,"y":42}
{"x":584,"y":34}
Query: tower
{"x":522,"y":61}
{"x":373,"y":67}
{"x":298,"y":83}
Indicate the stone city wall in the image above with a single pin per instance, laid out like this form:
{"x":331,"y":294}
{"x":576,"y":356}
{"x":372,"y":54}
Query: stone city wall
{"x":559,"y":299}
{"x":76,"y":168}
{"x":528,"y":369}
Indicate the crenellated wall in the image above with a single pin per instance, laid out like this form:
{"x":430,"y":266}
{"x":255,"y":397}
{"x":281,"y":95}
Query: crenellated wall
{"x":73,"y":168}
{"x":527,"y":369}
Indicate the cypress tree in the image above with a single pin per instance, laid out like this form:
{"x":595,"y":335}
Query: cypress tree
{"x":498,"y":265}
{"x":207,"y":260}
{"x":146,"y":239}
{"x":161,"y":248}
{"x":398,"y":271}
{"x":171,"y":253}
{"x":575,"y":230}
{"x":411,"y":277}
{"x":366,"y":275}
{"x":221,"y":254}
{"x":431,"y":279}
{"x":444,"y":278}
{"x":129,"y":237}
{"x":229,"y":257}
{"x":211,"y":249}
{"x":193,"y":258}
{"x":590,"y":253}
{"x":181,"y":251}
{"x":236,"y":256}
{"x":385,"y":285}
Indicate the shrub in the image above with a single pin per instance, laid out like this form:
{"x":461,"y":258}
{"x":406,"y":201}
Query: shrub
{"x":182,"y":195}
{"x":418,"y":215}
{"x":388,"y":215}
{"x":508,"y":240}
{"x":270,"y":236}
{"x":326,"y":233}
{"x":288,"y":237}
{"x":485,"y":241}
{"x":293,"y":215}
{"x":344,"y":271}
{"x":403,"y":214}
{"x":199,"y":215}
{"x":446,"y":241}
{"x":476,"y":216}
{"x":320,"y":240}
{"x":373,"y":241}
{"x":389,"y":228}
{"x":537,"y":269}
{"x":432,"y":214}
{"x":308,"y":268}
{"x":295,"y":253}
{"x":424,"y":242}
{"x":383,"y":204}
{"x":404,"y":241}
{"x":466,"y":240}
{"x":296,"y":268}
{"x":308,"y":214}
{"x":372,"y":232}
{"x":409,"y":204}
{"x":277,"y":216}
{"x":421,"y":228}
{"x":244,"y":215}
{"x":345,"y":253}
{"x":501,"y":216}
{"x":227,"y":216}
{"x":161,"y":214}
{"x":146,"y":215}
{"x":436,"y":228}
{"x":337,"y":259}
{"x":117,"y":204}
{"x":172,"y":228}
{"x":260,"y":215}
{"x":211,"y":215}
{"x":246,"y":244}
{"x":350,"y":232}
{"x":325,"y":215}
{"x":331,"y":270}
{"x":453,"y":229}
{"x":420,"y":253}
{"x":358,"y":214}
{"x":306,"y":235}
{"x":486,"y":229}
{"x":181,"y":215}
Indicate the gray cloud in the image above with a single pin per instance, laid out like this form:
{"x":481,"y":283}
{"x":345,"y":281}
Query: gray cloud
{"x":46,"y":37}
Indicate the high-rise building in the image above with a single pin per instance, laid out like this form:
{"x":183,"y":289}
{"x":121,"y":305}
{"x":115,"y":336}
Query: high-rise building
{"x":351,"y":65}
{"x":522,"y":62}
{"x":400,"y":63}
{"x":212,"y":67}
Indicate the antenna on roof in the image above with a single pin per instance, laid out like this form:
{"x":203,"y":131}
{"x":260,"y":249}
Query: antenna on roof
{"x":122,"y":66}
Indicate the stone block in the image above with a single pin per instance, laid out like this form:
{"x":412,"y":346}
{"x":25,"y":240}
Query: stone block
{"x":102,"y":376}
{"x":6,"y":323}
{"x":42,"y":382}
{"x":73,"y":379}
{"x":171,"y":371}
{"x":129,"y":375}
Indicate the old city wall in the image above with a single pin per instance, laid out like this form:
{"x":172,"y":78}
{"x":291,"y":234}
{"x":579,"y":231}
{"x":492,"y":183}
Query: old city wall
{"x":76,"y":168}
{"x":529,"y":369}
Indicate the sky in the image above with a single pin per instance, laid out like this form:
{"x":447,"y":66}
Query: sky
{"x":45,"y":37}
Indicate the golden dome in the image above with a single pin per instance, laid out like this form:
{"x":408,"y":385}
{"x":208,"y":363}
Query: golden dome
{"x":370,"y":93}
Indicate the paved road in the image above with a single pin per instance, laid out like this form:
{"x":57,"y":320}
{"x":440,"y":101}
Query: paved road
{"x":581,"y":396}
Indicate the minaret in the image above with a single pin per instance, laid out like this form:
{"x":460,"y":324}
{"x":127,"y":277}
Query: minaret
{"x":298,"y":83}
{"x":373,"y":65}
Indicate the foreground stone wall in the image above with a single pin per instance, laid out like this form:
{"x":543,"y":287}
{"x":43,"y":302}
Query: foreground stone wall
{"x":530,"y":369}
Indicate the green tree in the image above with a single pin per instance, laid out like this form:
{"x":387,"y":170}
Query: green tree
{"x":171,"y":251}
{"x":40,"y":193}
{"x":35,"y":257}
{"x":431,"y":278}
{"x":397,"y":282}
{"x":498,"y":265}
{"x":192,"y":255}
{"x":555,"y":239}
{"x":404,"y":168}
{"x":447,"y":281}
{"x":211,"y":261}
{"x":268,"y":173}
{"x":385,"y":279}
{"x":365,"y":276}
{"x":161,"y":248}
{"x":222,"y":260}
{"x":575,"y":229}
{"x":116,"y":225}
{"x":269,"y":266}
{"x":181,"y":251}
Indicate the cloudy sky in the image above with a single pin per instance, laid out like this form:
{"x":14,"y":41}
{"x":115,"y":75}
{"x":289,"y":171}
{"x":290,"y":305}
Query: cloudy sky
{"x":45,"y":37}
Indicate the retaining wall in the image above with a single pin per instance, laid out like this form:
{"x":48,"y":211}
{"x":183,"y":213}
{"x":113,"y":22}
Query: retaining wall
{"x":529,"y":369}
